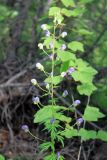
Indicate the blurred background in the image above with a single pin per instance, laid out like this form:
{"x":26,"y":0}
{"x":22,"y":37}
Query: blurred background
{"x":20,"y":34}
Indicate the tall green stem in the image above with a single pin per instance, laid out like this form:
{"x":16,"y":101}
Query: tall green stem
{"x":52,"y":89}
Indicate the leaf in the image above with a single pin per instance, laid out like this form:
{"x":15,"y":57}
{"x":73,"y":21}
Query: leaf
{"x":62,"y":118}
{"x":66,"y":12}
{"x":65,"y":55}
{"x":47,"y":41}
{"x":84,"y":66}
{"x":50,"y":157}
{"x":86,"y":89}
{"x":68,"y":3}
{"x":46,"y":113}
{"x":53,"y":11}
{"x":2,"y":157}
{"x":102,"y":135}
{"x":84,"y":32}
{"x":69,"y":133}
{"x":86,"y":1}
{"x":45,"y":146}
{"x":77,"y":12}
{"x":56,"y":80}
{"x":85,"y":134}
{"x":64,"y":66}
{"x":82,"y":76}
{"x":76,"y":46}
{"x":92,"y":114}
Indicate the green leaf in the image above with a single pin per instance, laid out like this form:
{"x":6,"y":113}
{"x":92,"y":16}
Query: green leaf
{"x":69,"y":133}
{"x":46,"y":113}
{"x":65,"y":55}
{"x":50,"y":157}
{"x":62,"y":118}
{"x":86,"y":89}
{"x":64,"y":66}
{"x":84,"y":32}
{"x":82,"y":76}
{"x":45,"y":146}
{"x":76,"y":46}
{"x":102,"y":135}
{"x":68,"y":3}
{"x":47,"y":41}
{"x":92,"y":114}
{"x":84,"y":66}
{"x":2,"y":157}
{"x":66,"y":12}
{"x":85,"y":1}
{"x":77,"y":12}
{"x":56,"y":80}
{"x":85,"y":134}
{"x":54,"y":10}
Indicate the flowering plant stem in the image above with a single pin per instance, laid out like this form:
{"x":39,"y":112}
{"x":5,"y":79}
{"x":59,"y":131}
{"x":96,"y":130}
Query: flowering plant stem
{"x":52,"y":90}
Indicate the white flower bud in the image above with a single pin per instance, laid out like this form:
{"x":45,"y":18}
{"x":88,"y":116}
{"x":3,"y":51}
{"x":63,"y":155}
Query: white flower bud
{"x":63,"y":34}
{"x":34,"y":81}
{"x":39,"y":66}
{"x":44,"y":27}
{"x":47,"y":86}
{"x":63,"y":74}
{"x":40,"y":45}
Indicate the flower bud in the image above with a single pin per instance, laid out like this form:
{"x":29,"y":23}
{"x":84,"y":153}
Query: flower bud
{"x":47,"y":33}
{"x":63,"y":34}
{"x":47,"y":86}
{"x":34,"y":82}
{"x":44,"y":27}
{"x":58,"y":155}
{"x":51,"y":45}
{"x":35,"y":100}
{"x":52,"y":120}
{"x":77,"y":102}
{"x":39,"y":66}
{"x":79,"y":121}
{"x":65,"y":93}
{"x":63,"y":47}
{"x":63,"y":74}
{"x":40,"y":45}
{"x":71,"y":70}
{"x":25,"y":128}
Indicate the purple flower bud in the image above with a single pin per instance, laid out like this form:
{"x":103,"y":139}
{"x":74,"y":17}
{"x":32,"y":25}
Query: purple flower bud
{"x":63,"y":47}
{"x":71,"y":70}
{"x":25,"y":128}
{"x":35,"y":100}
{"x":65,"y":93}
{"x":51,"y":45}
{"x":58,"y":155}
{"x":47,"y":33}
{"x":77,"y":102}
{"x":79,"y":121}
{"x":50,"y":56}
{"x":52,"y":120}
